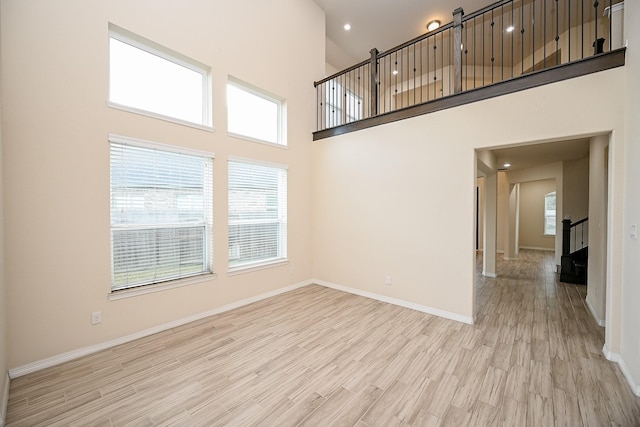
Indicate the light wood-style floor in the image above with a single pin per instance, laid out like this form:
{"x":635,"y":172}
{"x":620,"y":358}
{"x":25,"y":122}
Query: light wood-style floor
{"x":317,"y":356}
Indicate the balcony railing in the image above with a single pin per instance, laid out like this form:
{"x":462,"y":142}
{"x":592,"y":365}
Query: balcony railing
{"x":503,"y":41}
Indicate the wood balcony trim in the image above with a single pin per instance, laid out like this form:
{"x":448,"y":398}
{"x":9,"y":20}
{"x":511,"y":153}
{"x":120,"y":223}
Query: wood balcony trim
{"x":582,"y":67}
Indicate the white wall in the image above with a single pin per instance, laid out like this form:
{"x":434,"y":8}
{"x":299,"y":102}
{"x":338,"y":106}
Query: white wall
{"x":399,"y":198}
{"x":503,"y":212}
{"x":4,"y":381}
{"x":626,"y":309}
{"x":56,"y":155}
{"x":480,"y":221}
{"x":549,"y":171}
{"x":576,"y":188}
{"x":532,"y":214}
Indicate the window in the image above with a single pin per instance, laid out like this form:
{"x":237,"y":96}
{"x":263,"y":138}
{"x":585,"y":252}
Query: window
{"x":161,"y":213}
{"x":343,"y":106}
{"x":257,"y":214}
{"x":146,"y":77}
{"x":550,"y":214}
{"x":254,"y":114}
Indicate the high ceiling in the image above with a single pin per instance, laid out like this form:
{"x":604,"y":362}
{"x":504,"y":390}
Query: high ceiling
{"x":382,"y":24}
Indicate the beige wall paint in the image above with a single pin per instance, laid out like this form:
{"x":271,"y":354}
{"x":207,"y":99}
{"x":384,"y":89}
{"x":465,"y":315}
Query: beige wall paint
{"x":503,"y":212}
{"x":480,"y":202}
{"x":576,"y":188}
{"x":547,"y":171}
{"x":399,"y":197}
{"x":532,"y":214}
{"x":3,"y":301}
{"x":597,"y":234}
{"x":55,"y":80}
{"x":626,"y":308}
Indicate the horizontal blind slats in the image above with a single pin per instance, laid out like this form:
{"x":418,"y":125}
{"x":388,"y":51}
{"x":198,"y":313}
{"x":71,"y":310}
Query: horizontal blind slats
{"x":257,"y":213}
{"x":161,"y":215}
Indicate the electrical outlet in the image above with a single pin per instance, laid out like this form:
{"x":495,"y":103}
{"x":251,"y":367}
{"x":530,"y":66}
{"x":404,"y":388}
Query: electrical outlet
{"x":388,"y":280}
{"x":96,"y":317}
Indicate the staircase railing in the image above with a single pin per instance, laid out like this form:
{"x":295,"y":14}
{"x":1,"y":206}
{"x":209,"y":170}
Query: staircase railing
{"x":505,"y":40}
{"x":579,"y":235}
{"x":575,"y":247}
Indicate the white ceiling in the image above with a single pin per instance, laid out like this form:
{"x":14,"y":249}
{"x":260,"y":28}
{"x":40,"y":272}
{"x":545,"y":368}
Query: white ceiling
{"x":522,"y":157}
{"x":382,"y":24}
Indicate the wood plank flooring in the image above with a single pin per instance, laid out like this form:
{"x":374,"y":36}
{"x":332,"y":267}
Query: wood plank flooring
{"x":317,"y":356}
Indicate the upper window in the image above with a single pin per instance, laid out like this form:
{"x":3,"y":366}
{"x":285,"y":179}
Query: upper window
{"x":149,"y":78}
{"x":254,"y":114}
{"x":343,"y":106}
{"x":550,"y":214}
{"x":161,"y":213}
{"x":257,"y":214}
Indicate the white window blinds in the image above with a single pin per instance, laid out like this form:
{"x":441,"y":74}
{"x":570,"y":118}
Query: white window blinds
{"x":257,"y":214}
{"x":161,"y":214}
{"x":550,"y":214}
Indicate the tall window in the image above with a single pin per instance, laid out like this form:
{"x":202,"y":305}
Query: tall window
{"x":161,"y":213}
{"x":257,"y":214}
{"x":147,"y":77}
{"x":550,"y":214}
{"x":254,"y":114}
{"x":343,"y":106}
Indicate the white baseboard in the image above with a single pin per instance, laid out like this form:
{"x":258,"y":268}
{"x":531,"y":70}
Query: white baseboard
{"x":598,"y":320}
{"x":614,"y":357}
{"x":537,"y":248}
{"x":75,"y":354}
{"x":484,"y":273}
{"x":395,"y":301}
{"x":4,"y":400}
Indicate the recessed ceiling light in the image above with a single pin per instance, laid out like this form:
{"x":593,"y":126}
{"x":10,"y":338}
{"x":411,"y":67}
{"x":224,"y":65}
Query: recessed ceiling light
{"x":510,"y":28}
{"x":433,"y":25}
{"x":507,"y":165}
{"x":394,"y":72}
{"x":347,"y":27}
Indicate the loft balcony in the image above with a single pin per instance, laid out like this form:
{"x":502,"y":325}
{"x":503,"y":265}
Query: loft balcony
{"x":508,"y":46}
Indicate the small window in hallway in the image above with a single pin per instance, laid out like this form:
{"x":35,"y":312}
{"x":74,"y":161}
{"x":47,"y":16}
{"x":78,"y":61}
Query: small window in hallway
{"x":550,"y":214}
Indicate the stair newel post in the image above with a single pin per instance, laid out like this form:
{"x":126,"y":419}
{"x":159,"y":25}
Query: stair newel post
{"x":457,"y":50}
{"x":566,"y":236}
{"x":566,"y":263}
{"x":374,"y":81}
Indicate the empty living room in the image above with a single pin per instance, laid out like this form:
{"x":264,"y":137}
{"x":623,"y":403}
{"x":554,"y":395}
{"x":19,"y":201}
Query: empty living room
{"x":319,"y":213}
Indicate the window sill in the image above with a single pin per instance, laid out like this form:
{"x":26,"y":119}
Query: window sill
{"x":158,"y":287}
{"x":259,"y":141}
{"x":153,"y":115}
{"x":248,"y":268}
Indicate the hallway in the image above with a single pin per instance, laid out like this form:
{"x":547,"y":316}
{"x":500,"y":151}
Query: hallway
{"x":556,"y":360}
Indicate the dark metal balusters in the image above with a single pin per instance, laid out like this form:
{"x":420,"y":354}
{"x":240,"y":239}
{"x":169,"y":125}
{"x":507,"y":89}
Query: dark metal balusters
{"x":522,"y":35}
{"x":595,"y":43}
{"x":557,"y":33}
{"x":492,"y":52}
{"x":445,"y":58}
{"x":533,"y":35}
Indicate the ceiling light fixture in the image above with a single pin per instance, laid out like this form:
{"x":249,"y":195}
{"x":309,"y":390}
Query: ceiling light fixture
{"x":510,"y":29}
{"x":394,"y":72}
{"x":347,"y":27}
{"x":507,"y":165}
{"x":433,"y":25}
